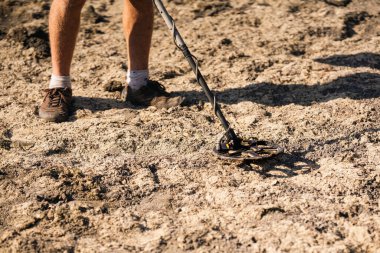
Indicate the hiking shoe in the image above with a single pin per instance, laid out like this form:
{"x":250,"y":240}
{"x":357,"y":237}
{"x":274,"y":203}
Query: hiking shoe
{"x":56,"y":105}
{"x":153,"y":94}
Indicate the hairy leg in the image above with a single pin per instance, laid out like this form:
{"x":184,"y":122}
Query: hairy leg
{"x":138,"y":29}
{"x":64,"y":20}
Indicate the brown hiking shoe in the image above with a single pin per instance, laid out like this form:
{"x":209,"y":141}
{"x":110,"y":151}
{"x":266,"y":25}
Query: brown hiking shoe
{"x":153,"y":94}
{"x":56,"y":105}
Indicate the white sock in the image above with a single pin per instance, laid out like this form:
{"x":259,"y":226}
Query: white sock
{"x":60,"y":82}
{"x":137,"y":78}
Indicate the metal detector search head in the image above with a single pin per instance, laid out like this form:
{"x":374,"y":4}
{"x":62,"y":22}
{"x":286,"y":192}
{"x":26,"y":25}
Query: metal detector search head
{"x":246,"y":149}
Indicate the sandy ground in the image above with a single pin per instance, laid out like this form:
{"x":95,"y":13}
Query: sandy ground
{"x":304,"y":74}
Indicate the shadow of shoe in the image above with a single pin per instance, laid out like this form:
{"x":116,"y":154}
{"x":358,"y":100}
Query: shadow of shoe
{"x":98,"y":104}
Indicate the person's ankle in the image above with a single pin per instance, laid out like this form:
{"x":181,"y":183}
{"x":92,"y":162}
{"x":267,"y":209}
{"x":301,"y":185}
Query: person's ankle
{"x":137,"y":79}
{"x":57,"y":82}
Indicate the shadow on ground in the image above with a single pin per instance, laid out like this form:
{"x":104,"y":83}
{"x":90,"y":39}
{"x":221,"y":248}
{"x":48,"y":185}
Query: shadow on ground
{"x":98,"y":104}
{"x":293,"y":164}
{"x":369,"y":60}
{"x":357,"y":86}
{"x":283,"y":166}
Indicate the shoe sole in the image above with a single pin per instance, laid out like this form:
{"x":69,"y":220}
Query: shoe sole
{"x":51,"y":118}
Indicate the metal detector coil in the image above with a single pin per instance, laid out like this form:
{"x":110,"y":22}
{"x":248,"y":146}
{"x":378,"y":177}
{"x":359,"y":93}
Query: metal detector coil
{"x":230,"y":146}
{"x":246,"y":149}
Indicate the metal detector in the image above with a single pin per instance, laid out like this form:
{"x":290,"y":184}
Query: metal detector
{"x":230,"y":146}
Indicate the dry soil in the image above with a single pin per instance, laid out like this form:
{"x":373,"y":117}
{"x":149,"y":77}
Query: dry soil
{"x":116,"y":178}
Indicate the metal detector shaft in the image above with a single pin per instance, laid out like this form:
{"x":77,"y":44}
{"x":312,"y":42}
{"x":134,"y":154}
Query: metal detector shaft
{"x":180,"y":43}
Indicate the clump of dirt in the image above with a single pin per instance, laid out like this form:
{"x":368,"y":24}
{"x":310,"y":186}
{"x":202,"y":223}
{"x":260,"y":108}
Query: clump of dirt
{"x":14,"y":12}
{"x":351,"y":20}
{"x":113,"y":86}
{"x":13,"y":16}
{"x":32,"y":37}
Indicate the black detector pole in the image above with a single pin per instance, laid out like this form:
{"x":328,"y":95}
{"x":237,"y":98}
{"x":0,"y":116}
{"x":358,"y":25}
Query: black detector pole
{"x":180,"y":43}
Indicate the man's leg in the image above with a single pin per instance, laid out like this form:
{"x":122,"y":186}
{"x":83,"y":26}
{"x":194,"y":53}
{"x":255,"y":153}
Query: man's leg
{"x":64,"y":23}
{"x":64,"y":20}
{"x":138,"y":29}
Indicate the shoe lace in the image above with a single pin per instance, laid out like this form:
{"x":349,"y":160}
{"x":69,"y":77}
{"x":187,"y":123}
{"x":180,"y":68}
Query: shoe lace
{"x":156,"y":86}
{"x":56,"y":97}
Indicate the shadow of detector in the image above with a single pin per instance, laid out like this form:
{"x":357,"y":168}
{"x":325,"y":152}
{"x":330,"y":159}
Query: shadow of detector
{"x":230,"y":146}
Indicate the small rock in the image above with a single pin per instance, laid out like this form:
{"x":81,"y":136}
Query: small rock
{"x":226,"y":42}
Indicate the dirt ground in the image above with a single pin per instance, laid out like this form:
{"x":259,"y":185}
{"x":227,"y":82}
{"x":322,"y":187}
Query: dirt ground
{"x":115,"y":178}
